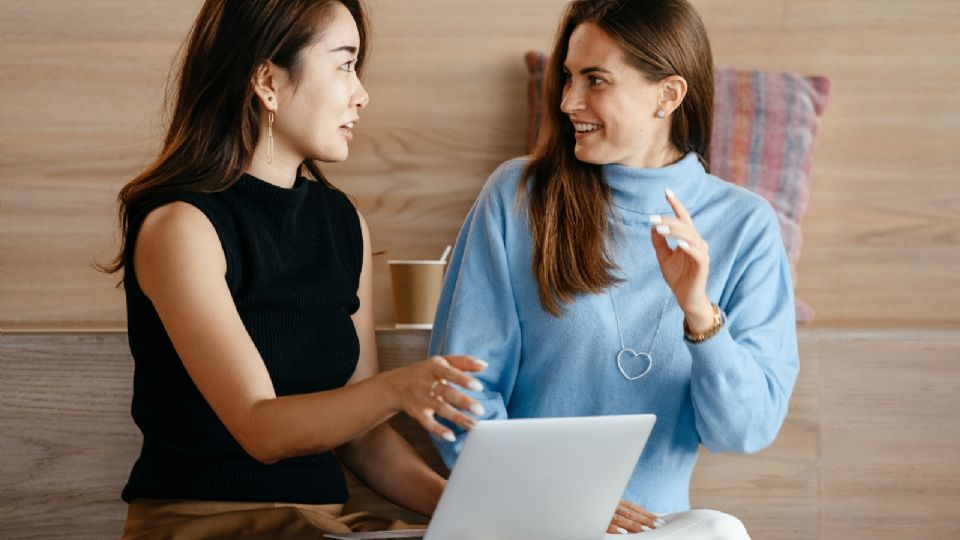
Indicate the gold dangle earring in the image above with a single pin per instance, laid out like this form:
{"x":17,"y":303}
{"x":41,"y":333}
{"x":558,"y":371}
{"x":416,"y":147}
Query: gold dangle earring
{"x":270,"y":138}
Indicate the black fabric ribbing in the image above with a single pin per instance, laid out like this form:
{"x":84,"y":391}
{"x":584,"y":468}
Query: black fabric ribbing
{"x":294,"y":258}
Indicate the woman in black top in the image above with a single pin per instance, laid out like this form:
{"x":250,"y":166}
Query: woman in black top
{"x":249,"y":293}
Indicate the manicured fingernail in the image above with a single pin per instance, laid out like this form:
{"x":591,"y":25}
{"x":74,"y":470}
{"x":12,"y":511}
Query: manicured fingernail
{"x":670,"y":194}
{"x":663,"y":229}
{"x":449,"y":437}
{"x":477,"y":409}
{"x":621,"y":530}
{"x":659,"y":523}
{"x":644,"y":528}
{"x":475,"y":385}
{"x":682,"y":244}
{"x":656,"y":219}
{"x":481,"y":363}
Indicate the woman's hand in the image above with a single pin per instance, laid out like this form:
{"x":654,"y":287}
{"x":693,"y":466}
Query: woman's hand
{"x":425,"y":389}
{"x":685,"y":268}
{"x":630,"y":518}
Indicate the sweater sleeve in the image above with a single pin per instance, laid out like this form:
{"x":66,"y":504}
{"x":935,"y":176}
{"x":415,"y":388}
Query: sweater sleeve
{"x":742,"y":377}
{"x":477,"y":312}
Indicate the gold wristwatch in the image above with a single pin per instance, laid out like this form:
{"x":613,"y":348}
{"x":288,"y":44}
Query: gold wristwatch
{"x":718,"y":321}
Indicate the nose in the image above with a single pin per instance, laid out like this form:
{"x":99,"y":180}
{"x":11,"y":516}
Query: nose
{"x":572,"y":100}
{"x":360,"y":98}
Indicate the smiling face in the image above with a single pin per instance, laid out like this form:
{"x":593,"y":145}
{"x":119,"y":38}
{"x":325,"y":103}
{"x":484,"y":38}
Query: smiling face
{"x":315,"y":116}
{"x":612,"y":107}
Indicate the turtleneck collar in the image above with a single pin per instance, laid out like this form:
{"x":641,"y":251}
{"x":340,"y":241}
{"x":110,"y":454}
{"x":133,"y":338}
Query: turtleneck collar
{"x":272,"y":194}
{"x":641,"y":191}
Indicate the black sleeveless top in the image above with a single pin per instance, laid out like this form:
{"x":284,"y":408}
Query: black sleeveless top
{"x":293,"y":267}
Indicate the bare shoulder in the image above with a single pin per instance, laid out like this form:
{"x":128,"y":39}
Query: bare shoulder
{"x":174,"y":242}
{"x":176,"y":225}
{"x":363,"y":225}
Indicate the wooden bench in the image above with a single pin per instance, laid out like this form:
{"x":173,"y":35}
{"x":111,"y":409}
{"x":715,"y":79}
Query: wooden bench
{"x":868,"y":449}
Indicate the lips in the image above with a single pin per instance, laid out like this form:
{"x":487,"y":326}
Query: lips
{"x":584,"y":129}
{"x":348,"y":128}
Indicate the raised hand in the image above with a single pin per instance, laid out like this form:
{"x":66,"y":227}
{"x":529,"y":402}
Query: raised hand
{"x":685,"y":268}
{"x":426,"y":389}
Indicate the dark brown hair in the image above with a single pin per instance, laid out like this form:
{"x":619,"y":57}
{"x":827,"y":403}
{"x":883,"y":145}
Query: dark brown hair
{"x":215,"y":115}
{"x":569,"y":200}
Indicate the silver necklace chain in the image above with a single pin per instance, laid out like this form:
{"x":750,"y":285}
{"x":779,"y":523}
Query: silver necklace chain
{"x":623,"y":347}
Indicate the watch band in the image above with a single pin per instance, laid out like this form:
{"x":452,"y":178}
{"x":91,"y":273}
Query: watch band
{"x":718,"y":322}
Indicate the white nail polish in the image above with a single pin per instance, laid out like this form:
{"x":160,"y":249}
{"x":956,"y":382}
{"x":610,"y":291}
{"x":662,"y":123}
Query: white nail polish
{"x":482,"y":363}
{"x":659,"y":523}
{"x":663,"y":229}
{"x":656,"y":219}
{"x":644,"y":528}
{"x":475,"y":385}
{"x":449,"y":437}
{"x":682,"y":244}
{"x":621,"y":530}
{"x":670,"y":194}
{"x":477,"y":409}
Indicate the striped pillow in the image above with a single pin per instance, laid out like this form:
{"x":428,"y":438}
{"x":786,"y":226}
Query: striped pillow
{"x":765,"y":127}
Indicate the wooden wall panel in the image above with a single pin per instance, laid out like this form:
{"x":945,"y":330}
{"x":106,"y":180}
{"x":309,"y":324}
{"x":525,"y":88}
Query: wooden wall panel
{"x":448,"y":104}
{"x":82,"y":90}
{"x":80,"y":114}
{"x":868,"y":449}
{"x":881,"y":237}
{"x":888,"y":434}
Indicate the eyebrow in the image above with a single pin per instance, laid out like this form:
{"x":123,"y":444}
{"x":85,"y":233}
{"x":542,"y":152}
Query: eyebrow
{"x":590,"y":69}
{"x":349,"y":48}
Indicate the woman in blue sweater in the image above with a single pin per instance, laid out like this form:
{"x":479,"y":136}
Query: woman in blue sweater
{"x":610,"y":273}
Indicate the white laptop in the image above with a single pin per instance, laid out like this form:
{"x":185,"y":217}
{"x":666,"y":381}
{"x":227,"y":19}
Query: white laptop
{"x":533,"y":479}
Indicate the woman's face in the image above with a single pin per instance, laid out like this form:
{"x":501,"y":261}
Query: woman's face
{"x":612,"y":107}
{"x":315,"y":117}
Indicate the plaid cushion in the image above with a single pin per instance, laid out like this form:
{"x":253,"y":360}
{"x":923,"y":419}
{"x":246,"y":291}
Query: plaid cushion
{"x":765,"y":126}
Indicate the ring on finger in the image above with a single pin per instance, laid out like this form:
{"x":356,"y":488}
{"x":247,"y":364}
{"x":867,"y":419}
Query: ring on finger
{"x":434,"y":385}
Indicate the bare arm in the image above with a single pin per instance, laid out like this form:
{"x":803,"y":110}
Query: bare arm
{"x":387,"y":463}
{"x":381,"y":457}
{"x":181,"y":267}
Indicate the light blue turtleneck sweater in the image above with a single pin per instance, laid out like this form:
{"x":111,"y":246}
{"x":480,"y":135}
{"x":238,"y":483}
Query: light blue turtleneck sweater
{"x":729,"y":393}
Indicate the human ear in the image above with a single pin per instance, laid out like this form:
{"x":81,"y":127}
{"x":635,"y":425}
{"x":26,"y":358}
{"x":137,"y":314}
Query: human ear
{"x":264,"y":85}
{"x":672,"y":91}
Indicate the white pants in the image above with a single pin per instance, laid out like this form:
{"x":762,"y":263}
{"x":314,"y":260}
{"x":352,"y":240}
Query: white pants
{"x":695,"y":525}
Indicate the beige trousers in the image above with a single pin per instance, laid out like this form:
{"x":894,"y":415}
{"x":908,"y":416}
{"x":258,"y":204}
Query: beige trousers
{"x":162,"y":519}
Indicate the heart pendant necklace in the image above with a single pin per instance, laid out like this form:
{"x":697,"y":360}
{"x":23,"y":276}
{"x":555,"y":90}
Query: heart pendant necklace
{"x":627,"y":355}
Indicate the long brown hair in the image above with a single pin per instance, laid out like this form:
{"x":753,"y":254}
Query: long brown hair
{"x":215,"y":121}
{"x":569,"y":201}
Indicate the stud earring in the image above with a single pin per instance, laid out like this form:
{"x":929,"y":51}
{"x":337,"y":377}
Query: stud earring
{"x":270,"y":138}
{"x":661,"y":114}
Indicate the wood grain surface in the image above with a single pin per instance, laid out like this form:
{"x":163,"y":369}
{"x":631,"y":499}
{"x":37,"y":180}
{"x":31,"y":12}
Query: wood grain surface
{"x":83,"y":84}
{"x":868,"y":449}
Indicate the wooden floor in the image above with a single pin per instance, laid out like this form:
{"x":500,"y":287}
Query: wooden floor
{"x":869,"y":449}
